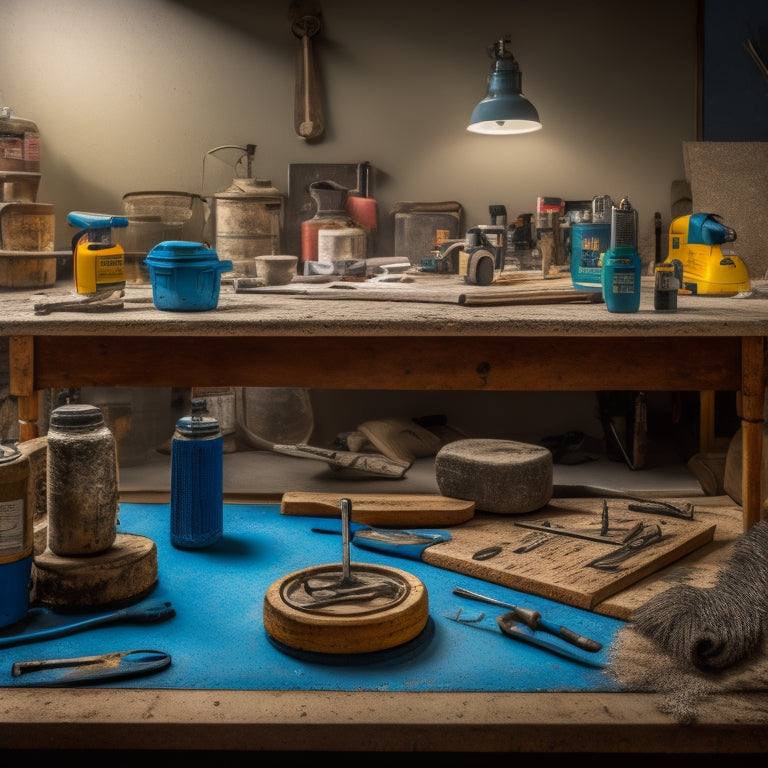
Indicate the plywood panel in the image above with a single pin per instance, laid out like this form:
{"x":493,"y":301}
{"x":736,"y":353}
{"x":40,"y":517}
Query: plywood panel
{"x":497,"y":549}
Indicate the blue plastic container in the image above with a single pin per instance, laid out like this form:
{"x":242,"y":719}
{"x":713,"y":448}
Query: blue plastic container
{"x":15,"y":580}
{"x":185,"y":276}
{"x":588,"y":242}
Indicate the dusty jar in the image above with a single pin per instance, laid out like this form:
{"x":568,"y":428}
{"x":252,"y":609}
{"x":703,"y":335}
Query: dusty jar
{"x":82,"y":488}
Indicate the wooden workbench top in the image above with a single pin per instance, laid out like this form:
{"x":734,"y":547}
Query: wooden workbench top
{"x":429,"y":306}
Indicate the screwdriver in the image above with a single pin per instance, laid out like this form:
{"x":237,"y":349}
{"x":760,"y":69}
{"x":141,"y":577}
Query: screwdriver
{"x":533,"y":620}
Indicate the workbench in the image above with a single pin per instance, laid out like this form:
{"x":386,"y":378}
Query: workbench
{"x":430,"y":342}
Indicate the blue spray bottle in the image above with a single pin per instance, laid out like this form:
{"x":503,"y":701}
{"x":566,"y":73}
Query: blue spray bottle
{"x":622,"y":268}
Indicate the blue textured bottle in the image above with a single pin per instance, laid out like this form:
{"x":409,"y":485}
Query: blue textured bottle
{"x":197,"y":464}
{"x":622,"y":267}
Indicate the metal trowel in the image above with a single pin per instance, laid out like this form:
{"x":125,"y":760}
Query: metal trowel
{"x":371,"y":463}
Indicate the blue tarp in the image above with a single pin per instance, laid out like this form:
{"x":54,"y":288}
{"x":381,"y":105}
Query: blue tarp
{"x":217,"y":638}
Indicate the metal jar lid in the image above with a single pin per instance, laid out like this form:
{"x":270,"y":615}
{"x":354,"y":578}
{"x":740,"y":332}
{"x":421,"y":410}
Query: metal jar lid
{"x":198,"y":425}
{"x":77,"y":416}
{"x":8,"y":452}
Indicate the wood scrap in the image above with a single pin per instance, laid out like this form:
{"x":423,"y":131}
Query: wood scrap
{"x":535,"y":296}
{"x":97,"y":302}
{"x":399,"y":510}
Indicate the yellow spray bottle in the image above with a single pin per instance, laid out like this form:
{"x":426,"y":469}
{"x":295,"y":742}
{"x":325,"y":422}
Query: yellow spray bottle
{"x":98,"y":263}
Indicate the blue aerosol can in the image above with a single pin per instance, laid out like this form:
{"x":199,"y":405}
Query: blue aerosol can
{"x":622,"y":268}
{"x":197,"y":464}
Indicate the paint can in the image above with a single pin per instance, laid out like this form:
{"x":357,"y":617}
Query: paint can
{"x":197,"y":467}
{"x":16,"y":535}
{"x":83,"y":499}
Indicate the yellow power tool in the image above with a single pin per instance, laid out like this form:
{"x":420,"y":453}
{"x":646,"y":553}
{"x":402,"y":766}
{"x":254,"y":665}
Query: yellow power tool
{"x":98,"y":263}
{"x":696,"y":242}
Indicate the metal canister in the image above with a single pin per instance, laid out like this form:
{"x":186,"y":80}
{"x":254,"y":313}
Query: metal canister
{"x":665,"y":289}
{"x":16,"y":535}
{"x":83,"y":496}
{"x":249,"y":217}
{"x":197,"y":465}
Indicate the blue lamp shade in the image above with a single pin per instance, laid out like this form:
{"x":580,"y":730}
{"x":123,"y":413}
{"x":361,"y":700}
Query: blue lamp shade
{"x":504,"y":110}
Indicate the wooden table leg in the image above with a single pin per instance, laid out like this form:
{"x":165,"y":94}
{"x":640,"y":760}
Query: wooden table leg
{"x":753,"y":376}
{"x":706,"y":420}
{"x":21,"y":358}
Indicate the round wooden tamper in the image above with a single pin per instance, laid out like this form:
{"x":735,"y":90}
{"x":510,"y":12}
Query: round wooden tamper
{"x":316,"y":610}
{"x":349,"y":609}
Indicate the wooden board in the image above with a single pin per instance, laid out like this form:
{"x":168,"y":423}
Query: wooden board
{"x":394,"y":510}
{"x":557,"y":569}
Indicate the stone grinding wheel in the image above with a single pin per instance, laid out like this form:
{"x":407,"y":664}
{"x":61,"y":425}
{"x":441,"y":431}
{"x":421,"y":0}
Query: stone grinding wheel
{"x":502,"y":476}
{"x":348,"y":627}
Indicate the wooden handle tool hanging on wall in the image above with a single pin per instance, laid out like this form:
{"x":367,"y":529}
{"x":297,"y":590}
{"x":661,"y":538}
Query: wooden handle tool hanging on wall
{"x":308,"y":109}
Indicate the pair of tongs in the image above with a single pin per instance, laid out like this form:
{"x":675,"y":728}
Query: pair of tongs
{"x":120,"y":665}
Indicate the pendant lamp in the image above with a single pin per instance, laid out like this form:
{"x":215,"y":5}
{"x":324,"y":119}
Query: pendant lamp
{"x":504,"y":110}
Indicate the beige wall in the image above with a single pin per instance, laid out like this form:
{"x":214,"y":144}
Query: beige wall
{"x":130,"y":96}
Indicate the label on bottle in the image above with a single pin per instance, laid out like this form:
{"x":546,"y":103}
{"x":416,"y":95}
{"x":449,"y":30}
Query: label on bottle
{"x":623,"y":282}
{"x":11,"y":526}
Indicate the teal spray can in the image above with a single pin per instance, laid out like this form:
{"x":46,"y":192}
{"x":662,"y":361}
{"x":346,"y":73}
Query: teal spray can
{"x":622,"y":268}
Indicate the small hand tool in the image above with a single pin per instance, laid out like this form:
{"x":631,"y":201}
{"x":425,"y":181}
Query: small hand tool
{"x":137,"y":614}
{"x":533,"y":620}
{"x":637,"y":540}
{"x":547,"y":528}
{"x":57,"y":673}
{"x":509,"y":627}
{"x":657,"y":507}
{"x":398,"y":543}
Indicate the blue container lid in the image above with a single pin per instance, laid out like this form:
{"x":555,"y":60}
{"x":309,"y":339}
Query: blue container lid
{"x":180,"y":253}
